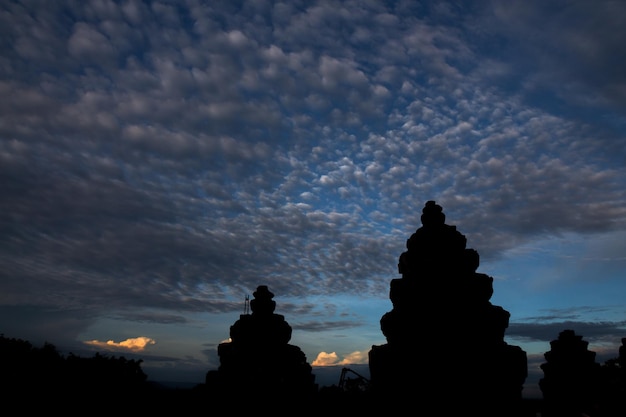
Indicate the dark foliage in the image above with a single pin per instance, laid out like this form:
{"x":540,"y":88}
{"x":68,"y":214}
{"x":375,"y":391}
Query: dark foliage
{"x":43,"y":373}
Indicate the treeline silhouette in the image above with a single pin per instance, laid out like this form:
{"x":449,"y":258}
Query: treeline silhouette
{"x":39,"y":379}
{"x":31,"y":367}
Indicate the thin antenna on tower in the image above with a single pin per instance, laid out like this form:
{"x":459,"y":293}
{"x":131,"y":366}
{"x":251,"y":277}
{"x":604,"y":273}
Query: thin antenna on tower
{"x":246,"y":305}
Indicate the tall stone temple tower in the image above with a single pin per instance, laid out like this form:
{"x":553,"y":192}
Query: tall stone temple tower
{"x":259,"y":362}
{"x":445,"y":345}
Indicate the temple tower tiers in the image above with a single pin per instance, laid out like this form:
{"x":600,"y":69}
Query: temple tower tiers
{"x":571,"y":384}
{"x":259,"y":362}
{"x":445,"y":340}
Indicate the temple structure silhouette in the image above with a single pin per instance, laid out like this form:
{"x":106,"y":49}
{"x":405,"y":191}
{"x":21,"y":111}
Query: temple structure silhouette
{"x":572,"y":384}
{"x":259,"y":362}
{"x":445,"y":345}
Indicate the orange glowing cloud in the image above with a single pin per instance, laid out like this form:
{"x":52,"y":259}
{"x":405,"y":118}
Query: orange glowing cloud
{"x":136,"y":344}
{"x":356,"y":357}
{"x":331,"y":359}
{"x":326,"y":359}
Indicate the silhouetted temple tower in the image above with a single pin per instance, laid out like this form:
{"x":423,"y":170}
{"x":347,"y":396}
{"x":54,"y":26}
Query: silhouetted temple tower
{"x":445,"y":340}
{"x":571,"y":381}
{"x":259,"y":362}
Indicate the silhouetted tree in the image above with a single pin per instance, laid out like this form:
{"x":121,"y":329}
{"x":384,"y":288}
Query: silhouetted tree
{"x":104,"y":373}
{"x":613,"y":385}
{"x":27,"y":368}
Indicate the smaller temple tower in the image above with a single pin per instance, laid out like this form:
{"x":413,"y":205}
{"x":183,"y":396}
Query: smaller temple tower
{"x":259,"y":362}
{"x":571,"y":382}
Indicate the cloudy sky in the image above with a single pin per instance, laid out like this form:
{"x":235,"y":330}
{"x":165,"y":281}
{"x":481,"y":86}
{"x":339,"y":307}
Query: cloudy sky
{"x":159,"y":160}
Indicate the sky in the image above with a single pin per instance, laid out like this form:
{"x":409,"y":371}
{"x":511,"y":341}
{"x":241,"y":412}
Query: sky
{"x":159,"y":160}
